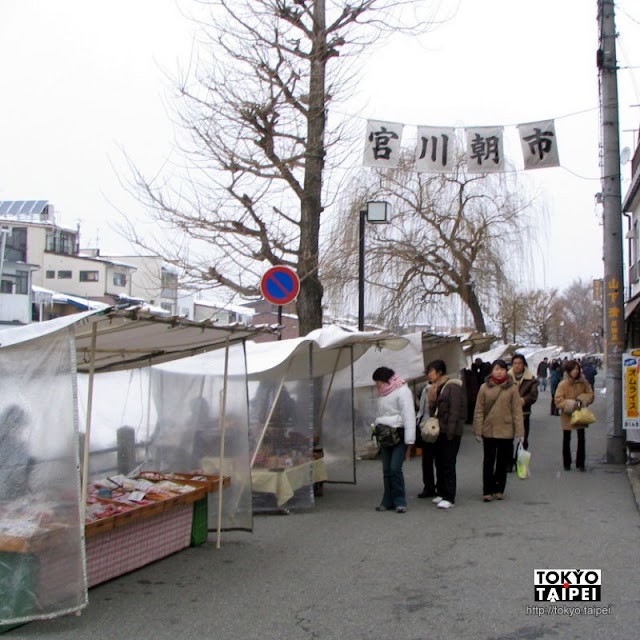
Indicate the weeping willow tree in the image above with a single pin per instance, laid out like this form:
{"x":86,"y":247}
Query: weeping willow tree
{"x":457,"y":235}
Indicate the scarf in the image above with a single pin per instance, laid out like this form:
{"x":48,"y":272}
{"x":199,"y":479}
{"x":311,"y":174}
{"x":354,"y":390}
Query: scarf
{"x":395,"y":382}
{"x":498,"y":381}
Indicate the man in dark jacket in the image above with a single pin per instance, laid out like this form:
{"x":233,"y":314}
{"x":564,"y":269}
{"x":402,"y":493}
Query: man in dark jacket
{"x":542,"y":373}
{"x":590,"y":372}
{"x":528,"y":388}
{"x":446,"y":401}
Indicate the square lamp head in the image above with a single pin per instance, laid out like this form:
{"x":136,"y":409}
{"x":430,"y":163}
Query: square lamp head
{"x":378,"y":212}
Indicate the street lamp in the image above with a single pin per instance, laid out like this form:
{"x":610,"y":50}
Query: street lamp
{"x":375,"y":213}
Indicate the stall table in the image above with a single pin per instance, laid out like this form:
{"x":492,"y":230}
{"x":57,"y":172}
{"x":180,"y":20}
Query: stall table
{"x":283,"y":483}
{"x":126,"y":541}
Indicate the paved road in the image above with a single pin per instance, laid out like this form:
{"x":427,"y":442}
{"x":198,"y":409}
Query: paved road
{"x":344,"y":571}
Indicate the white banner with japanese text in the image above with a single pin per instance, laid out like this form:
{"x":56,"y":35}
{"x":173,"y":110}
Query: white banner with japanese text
{"x":484,"y":151}
{"x":436,"y":149}
{"x":539,"y":146}
{"x":382,"y":147}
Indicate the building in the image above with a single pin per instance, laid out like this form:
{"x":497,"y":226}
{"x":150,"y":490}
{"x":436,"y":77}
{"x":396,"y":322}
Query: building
{"x":153,"y":280}
{"x":51,"y":255}
{"x":631,"y":209}
{"x":16,"y":278}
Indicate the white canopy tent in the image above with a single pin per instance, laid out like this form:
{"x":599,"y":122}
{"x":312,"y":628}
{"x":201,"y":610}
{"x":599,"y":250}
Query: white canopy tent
{"x":41,"y":504}
{"x":295,"y":389}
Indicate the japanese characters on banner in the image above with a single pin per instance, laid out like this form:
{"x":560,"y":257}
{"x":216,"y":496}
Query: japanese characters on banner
{"x":538,"y":141}
{"x":437,"y":147}
{"x":383,"y":144}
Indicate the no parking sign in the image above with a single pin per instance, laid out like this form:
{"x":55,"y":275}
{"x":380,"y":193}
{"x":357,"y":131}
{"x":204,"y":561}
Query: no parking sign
{"x":280,"y":285}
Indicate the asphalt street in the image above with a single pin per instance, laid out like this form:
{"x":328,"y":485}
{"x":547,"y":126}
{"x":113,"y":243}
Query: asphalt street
{"x":345,"y":571}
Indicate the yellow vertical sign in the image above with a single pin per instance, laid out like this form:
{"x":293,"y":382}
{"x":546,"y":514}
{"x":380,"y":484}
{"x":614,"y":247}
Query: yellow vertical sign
{"x":630,"y":395}
{"x":631,"y":384}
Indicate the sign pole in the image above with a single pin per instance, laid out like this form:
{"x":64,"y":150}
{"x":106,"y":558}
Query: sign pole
{"x":280,"y":285}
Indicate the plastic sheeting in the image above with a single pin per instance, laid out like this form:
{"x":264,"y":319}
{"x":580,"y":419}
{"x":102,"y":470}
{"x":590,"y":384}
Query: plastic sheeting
{"x":175,"y":415}
{"x":42,"y":569}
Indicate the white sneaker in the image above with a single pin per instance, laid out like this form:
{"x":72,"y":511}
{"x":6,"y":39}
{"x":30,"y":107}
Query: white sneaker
{"x":437,"y":500}
{"x":445,"y":504}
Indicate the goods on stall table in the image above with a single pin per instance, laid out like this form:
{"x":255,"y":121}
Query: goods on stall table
{"x":116,"y":501}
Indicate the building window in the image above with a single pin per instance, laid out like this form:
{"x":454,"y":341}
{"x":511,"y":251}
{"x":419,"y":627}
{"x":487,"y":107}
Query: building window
{"x":16,"y":247}
{"x":22,"y":283}
{"x":64,"y":275}
{"x":89,"y":276}
{"x":120,"y":279}
{"x":50,"y":274}
{"x":6,"y":286}
{"x":59,"y":241}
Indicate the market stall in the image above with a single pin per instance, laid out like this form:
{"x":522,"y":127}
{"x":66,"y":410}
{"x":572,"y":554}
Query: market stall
{"x":293,"y":395}
{"x":43,"y":558}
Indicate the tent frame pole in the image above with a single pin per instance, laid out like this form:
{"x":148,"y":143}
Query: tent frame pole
{"x":270,"y":414}
{"x":87,"y":429}
{"x":223,"y":429}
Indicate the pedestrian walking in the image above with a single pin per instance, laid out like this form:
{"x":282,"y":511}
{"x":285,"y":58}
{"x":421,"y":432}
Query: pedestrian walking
{"x":527,"y":388}
{"x":555,"y":377}
{"x":542,"y":372}
{"x":497,"y":420}
{"x":427,"y":460}
{"x":447,"y":403}
{"x":573,"y":392}
{"x":590,"y":372}
{"x":395,"y":410}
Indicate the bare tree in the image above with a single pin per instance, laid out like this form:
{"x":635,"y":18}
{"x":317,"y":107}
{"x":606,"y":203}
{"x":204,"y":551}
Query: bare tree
{"x":582,"y":316}
{"x":532,"y":316}
{"x":451,"y":235}
{"x":251,"y":192}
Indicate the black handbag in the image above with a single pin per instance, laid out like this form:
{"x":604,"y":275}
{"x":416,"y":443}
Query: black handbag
{"x":388,"y":436}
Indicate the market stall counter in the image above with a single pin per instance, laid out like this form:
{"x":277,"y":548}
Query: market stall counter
{"x":283,"y":482}
{"x":131,"y":522}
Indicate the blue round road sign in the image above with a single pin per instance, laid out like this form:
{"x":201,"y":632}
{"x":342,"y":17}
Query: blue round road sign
{"x":280,"y":285}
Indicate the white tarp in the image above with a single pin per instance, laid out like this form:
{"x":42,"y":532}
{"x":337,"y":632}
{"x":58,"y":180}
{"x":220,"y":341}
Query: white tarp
{"x":42,"y":568}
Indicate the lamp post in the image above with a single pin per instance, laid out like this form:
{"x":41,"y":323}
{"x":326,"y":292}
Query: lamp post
{"x":375,"y":213}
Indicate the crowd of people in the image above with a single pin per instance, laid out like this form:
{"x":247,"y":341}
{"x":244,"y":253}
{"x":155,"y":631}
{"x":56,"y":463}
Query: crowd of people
{"x":504,"y":394}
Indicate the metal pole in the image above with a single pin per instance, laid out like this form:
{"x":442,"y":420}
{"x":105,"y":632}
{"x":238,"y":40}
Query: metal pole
{"x":4,"y":231}
{"x":279,"y":322}
{"x":223,"y":432}
{"x":361,"y":272}
{"x":87,"y":429}
{"x":612,"y":229}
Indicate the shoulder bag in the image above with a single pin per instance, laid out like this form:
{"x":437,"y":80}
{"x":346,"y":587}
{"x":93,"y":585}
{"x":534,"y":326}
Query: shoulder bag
{"x":430,"y":426}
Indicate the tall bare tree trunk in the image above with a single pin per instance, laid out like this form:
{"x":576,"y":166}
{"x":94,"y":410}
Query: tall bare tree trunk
{"x":309,"y":305}
{"x":469,"y":296}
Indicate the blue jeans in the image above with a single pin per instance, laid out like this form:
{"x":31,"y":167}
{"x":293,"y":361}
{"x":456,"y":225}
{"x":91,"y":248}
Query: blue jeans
{"x":392,"y":460}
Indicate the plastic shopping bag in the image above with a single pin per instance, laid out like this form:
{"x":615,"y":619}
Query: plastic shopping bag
{"x":523,"y":458}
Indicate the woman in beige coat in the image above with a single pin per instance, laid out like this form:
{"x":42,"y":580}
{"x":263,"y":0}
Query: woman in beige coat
{"x":572,"y":393}
{"x":497,"y":420}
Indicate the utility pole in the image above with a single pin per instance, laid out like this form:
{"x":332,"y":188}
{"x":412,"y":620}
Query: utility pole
{"x":612,"y":229}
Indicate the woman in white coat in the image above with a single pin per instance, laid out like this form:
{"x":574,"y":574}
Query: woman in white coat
{"x":395,"y":409}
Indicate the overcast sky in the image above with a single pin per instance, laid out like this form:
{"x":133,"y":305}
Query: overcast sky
{"x":83,"y":81}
